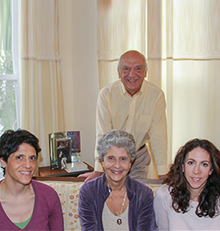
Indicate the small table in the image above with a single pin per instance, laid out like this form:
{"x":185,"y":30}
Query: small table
{"x":48,"y":172}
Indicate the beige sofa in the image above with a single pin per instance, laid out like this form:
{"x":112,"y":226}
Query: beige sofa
{"x":68,"y":192}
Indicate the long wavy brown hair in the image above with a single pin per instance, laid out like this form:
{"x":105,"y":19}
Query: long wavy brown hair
{"x":178,"y":185}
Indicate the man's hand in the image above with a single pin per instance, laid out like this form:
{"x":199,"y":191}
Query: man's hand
{"x":90,"y":175}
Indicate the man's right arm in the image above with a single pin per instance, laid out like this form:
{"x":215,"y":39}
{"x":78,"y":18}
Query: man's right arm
{"x":90,"y":175}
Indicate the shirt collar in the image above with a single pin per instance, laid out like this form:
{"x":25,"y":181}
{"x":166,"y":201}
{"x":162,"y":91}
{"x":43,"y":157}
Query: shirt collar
{"x":138,"y":93}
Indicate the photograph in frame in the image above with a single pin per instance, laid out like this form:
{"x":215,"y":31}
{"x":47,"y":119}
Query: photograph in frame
{"x":52,"y":148}
{"x":63,"y":151}
{"x":75,"y":139}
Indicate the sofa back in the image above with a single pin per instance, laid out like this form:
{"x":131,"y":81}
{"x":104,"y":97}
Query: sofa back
{"x":68,"y":192}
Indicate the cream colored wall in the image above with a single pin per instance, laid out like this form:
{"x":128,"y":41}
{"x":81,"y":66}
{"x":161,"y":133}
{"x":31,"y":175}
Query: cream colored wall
{"x":78,"y":49}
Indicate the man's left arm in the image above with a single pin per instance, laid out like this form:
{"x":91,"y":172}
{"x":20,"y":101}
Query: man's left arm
{"x":158,"y":136}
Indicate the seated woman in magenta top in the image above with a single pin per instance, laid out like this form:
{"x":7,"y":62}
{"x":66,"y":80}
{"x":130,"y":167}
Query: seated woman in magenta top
{"x":114,"y":201}
{"x":189,"y":199}
{"x":24,"y":203}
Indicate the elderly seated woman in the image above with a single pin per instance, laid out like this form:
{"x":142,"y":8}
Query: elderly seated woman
{"x":114,"y":201}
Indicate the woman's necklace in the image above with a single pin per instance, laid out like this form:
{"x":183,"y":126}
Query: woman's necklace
{"x":119,"y":220}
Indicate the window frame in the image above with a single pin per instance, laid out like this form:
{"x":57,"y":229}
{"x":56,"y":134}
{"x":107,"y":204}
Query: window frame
{"x":15,"y":59}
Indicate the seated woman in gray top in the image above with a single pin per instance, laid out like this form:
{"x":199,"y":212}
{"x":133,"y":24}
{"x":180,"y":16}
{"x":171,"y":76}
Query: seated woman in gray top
{"x":114,"y":201}
{"x":189,"y":199}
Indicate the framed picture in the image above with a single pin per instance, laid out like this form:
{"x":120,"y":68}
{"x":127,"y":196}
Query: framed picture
{"x":52,"y":148}
{"x":75,"y":139}
{"x":58,"y":142}
{"x":63,"y":151}
{"x":64,"y":148}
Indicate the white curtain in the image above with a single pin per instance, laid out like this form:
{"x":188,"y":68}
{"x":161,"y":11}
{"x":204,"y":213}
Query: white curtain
{"x":181,"y":42}
{"x":191,"y":54}
{"x":41,"y":86}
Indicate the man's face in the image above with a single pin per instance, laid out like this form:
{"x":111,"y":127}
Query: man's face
{"x":132,"y":71}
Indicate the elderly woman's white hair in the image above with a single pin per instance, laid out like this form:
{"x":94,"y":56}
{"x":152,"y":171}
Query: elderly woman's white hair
{"x":116,"y":138}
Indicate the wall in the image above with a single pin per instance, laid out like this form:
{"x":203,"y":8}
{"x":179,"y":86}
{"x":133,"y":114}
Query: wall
{"x":78,"y":49}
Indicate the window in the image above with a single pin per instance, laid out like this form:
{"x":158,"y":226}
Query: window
{"x":9,"y":71}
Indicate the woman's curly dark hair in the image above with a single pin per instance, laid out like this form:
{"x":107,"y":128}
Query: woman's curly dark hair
{"x":178,"y":185}
{"x":11,"y":140}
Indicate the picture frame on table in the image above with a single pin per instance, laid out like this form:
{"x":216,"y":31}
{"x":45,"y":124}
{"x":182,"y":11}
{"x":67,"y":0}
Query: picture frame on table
{"x":75,"y":139}
{"x":63,"y":151}
{"x":58,"y":142}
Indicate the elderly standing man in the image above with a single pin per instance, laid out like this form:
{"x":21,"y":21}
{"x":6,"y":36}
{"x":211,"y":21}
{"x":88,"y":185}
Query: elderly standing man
{"x":138,"y":107}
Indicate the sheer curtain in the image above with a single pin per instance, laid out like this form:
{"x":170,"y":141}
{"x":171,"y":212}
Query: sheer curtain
{"x":191,"y":65}
{"x":41,"y":87}
{"x":181,"y":42}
